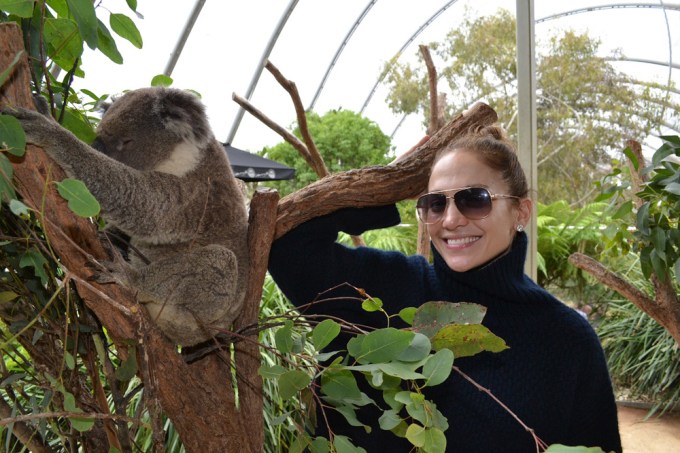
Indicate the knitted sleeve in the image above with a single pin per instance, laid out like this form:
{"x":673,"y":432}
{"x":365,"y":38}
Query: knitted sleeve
{"x":309,"y":266}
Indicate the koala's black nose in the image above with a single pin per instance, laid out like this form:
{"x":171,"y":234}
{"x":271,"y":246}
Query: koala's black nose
{"x":99,"y":145}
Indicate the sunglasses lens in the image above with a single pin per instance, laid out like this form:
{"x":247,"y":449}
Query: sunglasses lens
{"x":474,"y":202}
{"x":431,"y":207}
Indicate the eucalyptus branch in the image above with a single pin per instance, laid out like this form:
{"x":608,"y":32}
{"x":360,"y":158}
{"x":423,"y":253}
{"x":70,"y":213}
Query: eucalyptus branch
{"x":539,"y":443}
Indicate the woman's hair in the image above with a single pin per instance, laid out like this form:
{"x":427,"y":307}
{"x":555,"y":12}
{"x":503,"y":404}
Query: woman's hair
{"x":496,"y":150}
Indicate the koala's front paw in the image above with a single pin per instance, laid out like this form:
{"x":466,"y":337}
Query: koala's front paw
{"x":39,"y":129}
{"x":113,"y":271}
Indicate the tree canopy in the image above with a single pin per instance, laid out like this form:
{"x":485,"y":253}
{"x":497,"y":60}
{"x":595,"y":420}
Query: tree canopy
{"x":586,"y":108}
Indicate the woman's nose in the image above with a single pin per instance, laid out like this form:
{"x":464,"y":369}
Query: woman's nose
{"x":452,"y":216}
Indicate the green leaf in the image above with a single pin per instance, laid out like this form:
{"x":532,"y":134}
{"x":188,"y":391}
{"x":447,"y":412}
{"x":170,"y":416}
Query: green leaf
{"x":18,"y":208}
{"x":339,"y":385}
{"x":128,"y":369}
{"x":283,"y":337}
{"x":558,"y":448}
{"x":416,"y":435}
{"x":271,"y":372}
{"x":22,"y":8}
{"x":350,"y":415}
{"x":79,"y":424}
{"x":319,"y":445}
{"x":342,"y":444}
{"x":69,"y":360}
{"x":407,"y":314}
{"x":107,"y":45}
{"x":7,"y":191}
{"x":673,"y":188}
{"x":390,"y":419}
{"x":126,"y":28}
{"x":438,"y":367}
{"x":372,"y":304}
{"x":64,"y":45}
{"x":86,"y":18}
{"x":432,"y":316}
{"x":292,"y":382}
{"x":80,"y":200}
{"x":623,"y":211}
{"x":79,"y":124}
{"x":12,"y":135}
{"x":161,"y":80}
{"x":33,"y":258}
{"x":7,"y":296}
{"x":427,"y":414}
{"x":383,"y":345}
{"x":324,"y":333}
{"x":467,"y":340}
{"x":419,"y":348}
{"x":7,"y":72}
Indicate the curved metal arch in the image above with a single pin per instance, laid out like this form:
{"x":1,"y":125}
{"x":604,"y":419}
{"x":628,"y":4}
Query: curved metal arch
{"x":406,"y":44}
{"x":659,"y":5}
{"x":339,"y":51}
{"x":260,"y":66}
{"x":589,"y":9}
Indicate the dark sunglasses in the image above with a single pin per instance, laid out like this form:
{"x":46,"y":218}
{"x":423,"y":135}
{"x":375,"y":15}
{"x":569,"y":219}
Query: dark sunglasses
{"x":473,"y":202}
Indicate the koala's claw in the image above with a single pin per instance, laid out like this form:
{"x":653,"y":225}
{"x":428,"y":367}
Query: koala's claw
{"x":111,"y":271}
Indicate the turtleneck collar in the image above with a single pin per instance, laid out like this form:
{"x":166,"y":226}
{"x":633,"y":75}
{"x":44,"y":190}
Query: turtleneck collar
{"x":502,"y":278}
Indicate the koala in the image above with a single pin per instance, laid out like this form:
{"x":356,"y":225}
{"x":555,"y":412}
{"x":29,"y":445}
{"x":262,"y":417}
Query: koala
{"x":163,"y":180}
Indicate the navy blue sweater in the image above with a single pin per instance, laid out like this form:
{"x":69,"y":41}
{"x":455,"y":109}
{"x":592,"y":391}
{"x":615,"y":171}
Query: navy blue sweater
{"x":554,"y":376}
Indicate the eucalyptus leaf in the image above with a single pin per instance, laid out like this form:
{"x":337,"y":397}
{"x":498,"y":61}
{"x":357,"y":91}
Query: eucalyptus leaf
{"x":417,"y":350}
{"x":342,"y":444}
{"x":22,"y":8}
{"x":467,"y":340}
{"x":372,"y":304}
{"x":12,"y":136}
{"x":390,"y":419}
{"x":384,"y":345}
{"x":292,"y":382}
{"x":432,"y":316}
{"x":559,"y":448}
{"x":33,"y":258}
{"x":79,"y":198}
{"x":339,"y":384}
{"x":86,"y":18}
{"x":284,"y":337}
{"x":325,"y":332}
{"x":7,"y":191}
{"x":438,"y":367}
{"x":64,"y":45}
{"x":126,"y":28}
{"x":107,"y":45}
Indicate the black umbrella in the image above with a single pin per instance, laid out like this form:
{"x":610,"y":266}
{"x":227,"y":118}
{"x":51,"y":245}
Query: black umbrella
{"x":250,"y":167}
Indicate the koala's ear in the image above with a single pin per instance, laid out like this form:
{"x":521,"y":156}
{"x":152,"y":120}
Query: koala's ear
{"x":103,"y":106}
{"x":41,"y":104}
{"x":183,"y":113}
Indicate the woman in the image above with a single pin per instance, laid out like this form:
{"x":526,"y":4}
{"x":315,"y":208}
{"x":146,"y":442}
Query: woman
{"x":553,"y":377}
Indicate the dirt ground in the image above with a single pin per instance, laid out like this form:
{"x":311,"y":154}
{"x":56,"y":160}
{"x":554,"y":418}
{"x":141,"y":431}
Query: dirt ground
{"x":655,"y":435}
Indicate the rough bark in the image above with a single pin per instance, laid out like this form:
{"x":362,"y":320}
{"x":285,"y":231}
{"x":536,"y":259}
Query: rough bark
{"x":198,"y":397}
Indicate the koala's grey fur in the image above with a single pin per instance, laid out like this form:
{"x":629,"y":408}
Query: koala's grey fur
{"x":163,"y":179}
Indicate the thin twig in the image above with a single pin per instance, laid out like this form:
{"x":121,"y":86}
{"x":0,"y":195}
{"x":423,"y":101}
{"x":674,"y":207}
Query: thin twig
{"x":539,"y":443}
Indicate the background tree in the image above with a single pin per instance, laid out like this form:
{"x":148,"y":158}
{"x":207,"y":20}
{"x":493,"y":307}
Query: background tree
{"x":345,"y":140}
{"x":585,"y":107}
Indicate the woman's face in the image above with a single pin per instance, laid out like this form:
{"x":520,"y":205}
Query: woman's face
{"x":463,"y":243}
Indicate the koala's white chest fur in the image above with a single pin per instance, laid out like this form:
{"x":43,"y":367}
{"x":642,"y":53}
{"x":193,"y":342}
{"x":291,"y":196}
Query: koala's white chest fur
{"x":183,"y":159}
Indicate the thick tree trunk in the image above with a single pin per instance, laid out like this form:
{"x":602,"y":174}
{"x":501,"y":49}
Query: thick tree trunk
{"x":198,"y":398}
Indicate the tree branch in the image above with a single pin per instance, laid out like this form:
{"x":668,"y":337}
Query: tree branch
{"x":377,"y":185}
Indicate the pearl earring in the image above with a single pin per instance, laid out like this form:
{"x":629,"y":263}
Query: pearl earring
{"x":520,"y":228}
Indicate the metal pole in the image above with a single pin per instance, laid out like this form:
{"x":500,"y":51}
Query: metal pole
{"x":526,"y":116}
{"x":174,"y":56}
{"x":260,"y":66}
